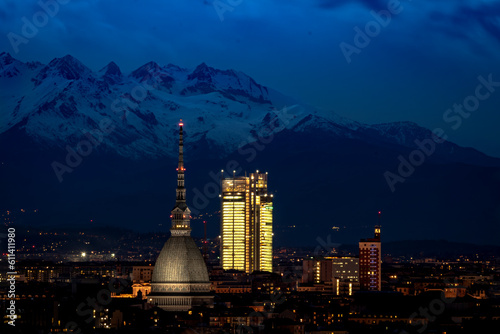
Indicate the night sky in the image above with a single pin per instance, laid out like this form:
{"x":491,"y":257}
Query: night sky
{"x":416,"y":64}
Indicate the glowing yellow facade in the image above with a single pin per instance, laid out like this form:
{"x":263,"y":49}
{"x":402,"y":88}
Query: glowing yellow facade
{"x":266,"y":236}
{"x":246,"y":224}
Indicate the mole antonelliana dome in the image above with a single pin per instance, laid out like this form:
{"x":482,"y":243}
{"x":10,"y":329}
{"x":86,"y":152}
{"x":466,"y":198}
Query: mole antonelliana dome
{"x":180,"y":260}
{"x":180,"y":277}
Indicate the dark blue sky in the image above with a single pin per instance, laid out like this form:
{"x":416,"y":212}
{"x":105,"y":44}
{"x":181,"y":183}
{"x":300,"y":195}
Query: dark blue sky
{"x":425,"y":59}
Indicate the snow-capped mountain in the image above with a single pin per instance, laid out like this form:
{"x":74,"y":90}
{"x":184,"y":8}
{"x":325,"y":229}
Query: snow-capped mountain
{"x":57,"y":103}
{"x":315,"y":159}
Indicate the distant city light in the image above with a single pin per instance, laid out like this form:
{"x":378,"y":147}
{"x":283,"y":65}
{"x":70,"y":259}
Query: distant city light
{"x":84,"y":254}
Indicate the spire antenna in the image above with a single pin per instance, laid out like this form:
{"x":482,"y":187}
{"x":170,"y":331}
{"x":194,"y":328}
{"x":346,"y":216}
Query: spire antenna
{"x":181,"y":190}
{"x":181,"y":214}
{"x":377,"y":227}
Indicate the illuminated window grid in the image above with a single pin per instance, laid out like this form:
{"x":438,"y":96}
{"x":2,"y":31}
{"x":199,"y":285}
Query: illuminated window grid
{"x":266,"y":236}
{"x":233,"y":232}
{"x":257,"y":239}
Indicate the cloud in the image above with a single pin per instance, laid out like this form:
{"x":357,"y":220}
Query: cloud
{"x":486,"y":14}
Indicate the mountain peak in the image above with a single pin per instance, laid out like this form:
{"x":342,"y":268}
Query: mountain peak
{"x":110,"y":70}
{"x":67,"y":67}
{"x":68,"y":60}
{"x":202,"y":66}
{"x":6,"y":58}
{"x":113,"y":69}
{"x":146,"y":70}
{"x":68,"y":57}
{"x":202,"y":72}
{"x":9,"y":66}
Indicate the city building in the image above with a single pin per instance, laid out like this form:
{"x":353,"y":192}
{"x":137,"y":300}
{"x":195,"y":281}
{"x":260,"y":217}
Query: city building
{"x":246,"y":223}
{"x":370,"y":260}
{"x":340,"y":273}
{"x":141,"y":290}
{"x":142,"y":274}
{"x":180,"y":277}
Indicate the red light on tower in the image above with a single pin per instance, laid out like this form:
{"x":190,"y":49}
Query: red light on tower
{"x":180,"y":123}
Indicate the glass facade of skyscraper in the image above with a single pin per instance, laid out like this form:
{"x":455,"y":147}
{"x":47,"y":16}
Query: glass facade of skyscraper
{"x":246,"y":223}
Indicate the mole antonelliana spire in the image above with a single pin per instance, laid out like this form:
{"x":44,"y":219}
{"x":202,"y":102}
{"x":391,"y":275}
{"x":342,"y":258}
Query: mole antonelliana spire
{"x":180,"y":277}
{"x":180,"y":213}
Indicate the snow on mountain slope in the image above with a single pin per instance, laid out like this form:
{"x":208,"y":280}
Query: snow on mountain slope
{"x":58,"y":103}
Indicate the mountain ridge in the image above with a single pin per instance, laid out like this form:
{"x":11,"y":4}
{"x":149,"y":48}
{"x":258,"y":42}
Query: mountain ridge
{"x":226,"y":107}
{"x":124,"y":130}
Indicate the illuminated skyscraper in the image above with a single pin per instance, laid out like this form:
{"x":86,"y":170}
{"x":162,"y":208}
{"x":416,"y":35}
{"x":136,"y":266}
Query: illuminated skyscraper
{"x":246,"y":223}
{"x":370,"y":260}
